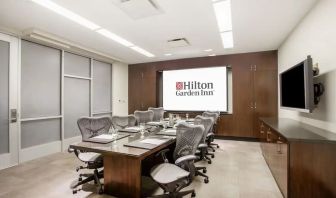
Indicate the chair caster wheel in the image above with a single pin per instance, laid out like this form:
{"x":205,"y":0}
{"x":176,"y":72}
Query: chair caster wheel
{"x":101,"y":191}
{"x":217,"y":146}
{"x":193,"y":194}
{"x":206,"y":180}
{"x":204,"y":171}
{"x":209,"y":162}
{"x":212,"y":156}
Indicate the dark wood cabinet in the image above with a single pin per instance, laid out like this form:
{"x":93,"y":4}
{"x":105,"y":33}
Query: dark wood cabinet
{"x":254,"y":88}
{"x":301,"y":157}
{"x":275,"y":151}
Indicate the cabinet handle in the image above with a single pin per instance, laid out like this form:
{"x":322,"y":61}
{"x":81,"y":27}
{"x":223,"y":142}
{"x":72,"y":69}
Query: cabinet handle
{"x":262,"y":128}
{"x":279,"y":144}
{"x":267,"y":135}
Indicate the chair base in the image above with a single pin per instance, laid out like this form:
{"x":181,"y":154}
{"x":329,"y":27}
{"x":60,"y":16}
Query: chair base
{"x":96,"y":176}
{"x":176,"y":194}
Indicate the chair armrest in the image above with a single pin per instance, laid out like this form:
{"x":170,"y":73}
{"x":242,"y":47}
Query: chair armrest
{"x":185,"y":158}
{"x":202,"y":146}
{"x":210,"y":134}
{"x":163,"y":154}
{"x":71,"y":150}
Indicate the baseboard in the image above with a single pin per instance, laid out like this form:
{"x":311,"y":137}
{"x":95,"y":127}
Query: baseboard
{"x":38,"y":151}
{"x":67,"y":142}
{"x":6,"y":161}
{"x":248,"y":139}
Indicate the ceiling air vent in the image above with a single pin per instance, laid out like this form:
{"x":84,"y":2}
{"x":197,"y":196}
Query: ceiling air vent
{"x":138,"y":9}
{"x":179,"y":42}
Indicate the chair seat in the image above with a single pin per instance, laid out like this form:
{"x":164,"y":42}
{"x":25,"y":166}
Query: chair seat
{"x":167,"y":173}
{"x":89,"y":156}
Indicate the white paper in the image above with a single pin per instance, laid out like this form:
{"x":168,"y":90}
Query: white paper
{"x":133,"y":128}
{"x":104,"y":136}
{"x":153,"y":141}
{"x":170,"y":131}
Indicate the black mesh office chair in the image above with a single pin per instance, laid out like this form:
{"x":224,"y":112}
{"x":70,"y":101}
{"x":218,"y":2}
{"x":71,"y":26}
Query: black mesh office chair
{"x":143,"y":116}
{"x":172,"y":178}
{"x":121,"y":122}
{"x":207,"y":122}
{"x":211,"y":135}
{"x":158,"y":113}
{"x":90,"y":127}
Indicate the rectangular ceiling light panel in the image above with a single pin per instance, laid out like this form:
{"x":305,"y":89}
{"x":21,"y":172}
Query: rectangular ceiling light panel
{"x":142,"y":51}
{"x":92,"y":26}
{"x":227,"y":39}
{"x":115,"y":37}
{"x":224,"y":21}
{"x":67,"y":13}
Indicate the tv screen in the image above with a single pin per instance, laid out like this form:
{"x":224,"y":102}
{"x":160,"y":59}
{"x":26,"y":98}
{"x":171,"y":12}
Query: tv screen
{"x":195,"y":89}
{"x":296,"y":87}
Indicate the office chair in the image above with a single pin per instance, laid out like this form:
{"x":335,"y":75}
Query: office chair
{"x":211,"y":135}
{"x":144,"y":116}
{"x":121,"y":122}
{"x":207,"y":122}
{"x":90,"y":127}
{"x":158,"y":113}
{"x":172,"y":178}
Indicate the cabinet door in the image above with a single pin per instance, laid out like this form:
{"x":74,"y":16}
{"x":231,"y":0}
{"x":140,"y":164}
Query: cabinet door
{"x":243,"y":95}
{"x":135,"y":89}
{"x":265,"y":95}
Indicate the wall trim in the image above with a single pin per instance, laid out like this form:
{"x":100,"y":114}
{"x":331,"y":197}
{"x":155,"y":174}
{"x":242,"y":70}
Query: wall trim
{"x":38,"y":151}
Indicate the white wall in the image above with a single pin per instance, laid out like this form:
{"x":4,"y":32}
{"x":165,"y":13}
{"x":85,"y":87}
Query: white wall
{"x":120,"y":88}
{"x":315,"y":36}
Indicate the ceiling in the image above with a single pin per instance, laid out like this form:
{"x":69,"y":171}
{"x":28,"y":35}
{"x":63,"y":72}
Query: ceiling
{"x":258,"y":25}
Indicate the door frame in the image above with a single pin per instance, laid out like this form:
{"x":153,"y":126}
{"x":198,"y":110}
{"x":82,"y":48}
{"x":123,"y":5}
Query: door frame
{"x":12,"y":158}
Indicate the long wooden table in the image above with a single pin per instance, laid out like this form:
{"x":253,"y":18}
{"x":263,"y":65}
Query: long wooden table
{"x":122,"y":164}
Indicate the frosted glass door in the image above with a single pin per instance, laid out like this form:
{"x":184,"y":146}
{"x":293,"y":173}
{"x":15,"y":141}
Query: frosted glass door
{"x":8,"y":101}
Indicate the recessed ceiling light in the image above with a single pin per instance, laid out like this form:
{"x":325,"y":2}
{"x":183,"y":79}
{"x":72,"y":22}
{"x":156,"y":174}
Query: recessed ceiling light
{"x":88,"y":24}
{"x":114,"y":37}
{"x":142,"y":51}
{"x":168,"y":54}
{"x":208,"y":50}
{"x":224,"y":21}
{"x":212,"y":55}
{"x":67,"y":13}
{"x":223,"y":15}
{"x":227,"y":39}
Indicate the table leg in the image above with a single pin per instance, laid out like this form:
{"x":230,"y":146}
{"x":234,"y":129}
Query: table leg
{"x":122,"y":176}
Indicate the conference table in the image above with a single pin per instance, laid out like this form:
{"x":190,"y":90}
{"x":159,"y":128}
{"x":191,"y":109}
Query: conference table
{"x":124,"y":165}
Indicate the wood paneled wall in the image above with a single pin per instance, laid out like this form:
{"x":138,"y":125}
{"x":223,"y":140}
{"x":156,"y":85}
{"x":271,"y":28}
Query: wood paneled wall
{"x":254,"y":78}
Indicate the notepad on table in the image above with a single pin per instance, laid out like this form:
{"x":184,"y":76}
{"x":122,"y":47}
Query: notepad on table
{"x":104,"y":136}
{"x":153,"y":141}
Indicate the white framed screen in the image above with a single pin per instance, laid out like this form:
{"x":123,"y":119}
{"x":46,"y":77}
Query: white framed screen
{"x":198,"y":89}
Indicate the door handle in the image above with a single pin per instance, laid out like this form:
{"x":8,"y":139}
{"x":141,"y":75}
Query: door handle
{"x":13,"y":117}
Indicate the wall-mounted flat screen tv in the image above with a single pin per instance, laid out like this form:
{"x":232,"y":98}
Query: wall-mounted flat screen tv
{"x":297,"y":87}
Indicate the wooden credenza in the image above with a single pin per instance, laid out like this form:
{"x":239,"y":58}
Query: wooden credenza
{"x":302,"y":158}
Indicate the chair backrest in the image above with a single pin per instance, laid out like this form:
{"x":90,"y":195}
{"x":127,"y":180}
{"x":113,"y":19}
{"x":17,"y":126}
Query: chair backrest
{"x":143,"y":116}
{"x":188,"y":138}
{"x":158,"y":113}
{"x":121,"y":122}
{"x":207,"y":122}
{"x":212,"y":114}
{"x":90,"y":127}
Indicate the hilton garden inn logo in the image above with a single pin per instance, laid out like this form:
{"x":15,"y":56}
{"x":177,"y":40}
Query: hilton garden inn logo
{"x":194,"y":88}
